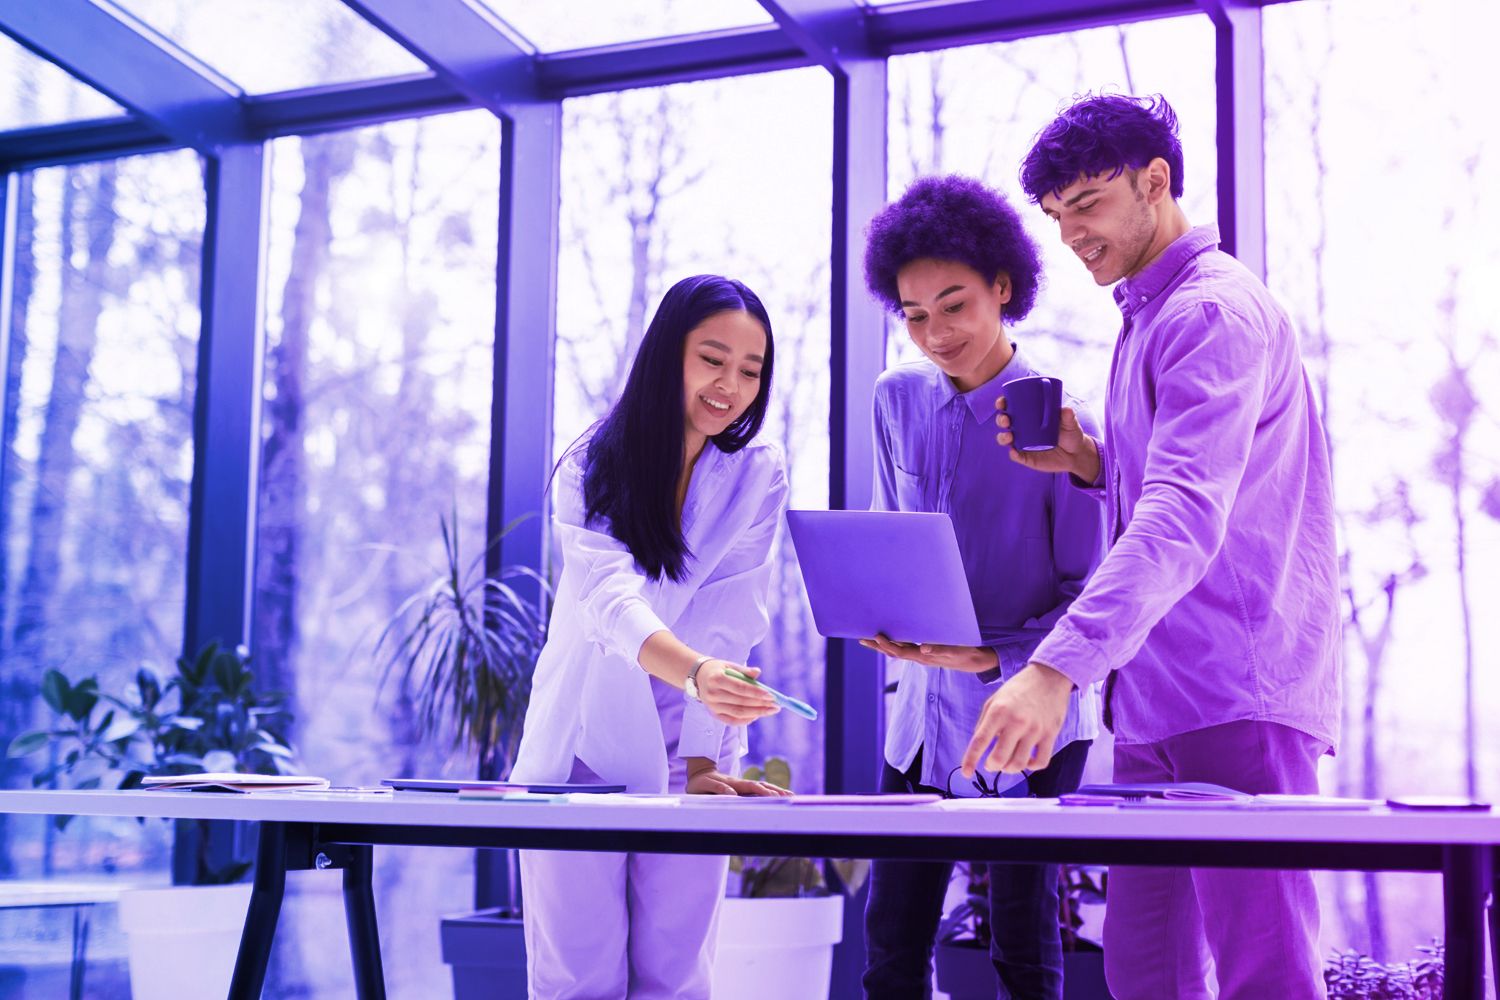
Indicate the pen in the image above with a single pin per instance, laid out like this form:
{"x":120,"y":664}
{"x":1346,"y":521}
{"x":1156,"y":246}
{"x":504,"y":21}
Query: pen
{"x":786,"y":701}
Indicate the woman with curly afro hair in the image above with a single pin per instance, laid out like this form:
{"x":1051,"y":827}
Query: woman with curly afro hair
{"x":952,"y":258}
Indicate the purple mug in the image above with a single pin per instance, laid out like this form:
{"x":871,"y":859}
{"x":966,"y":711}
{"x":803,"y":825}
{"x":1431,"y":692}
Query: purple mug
{"x":1034,"y":405}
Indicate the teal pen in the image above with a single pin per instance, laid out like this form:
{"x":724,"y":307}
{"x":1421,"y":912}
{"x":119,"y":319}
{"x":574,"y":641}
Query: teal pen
{"x":786,"y":701}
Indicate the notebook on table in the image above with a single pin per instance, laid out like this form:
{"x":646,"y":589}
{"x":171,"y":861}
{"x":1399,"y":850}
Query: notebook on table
{"x":474,"y":785}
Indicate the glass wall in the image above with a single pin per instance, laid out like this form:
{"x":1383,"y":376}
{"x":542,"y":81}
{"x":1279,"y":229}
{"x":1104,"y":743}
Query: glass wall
{"x":729,"y":177}
{"x":1382,"y":225}
{"x":1383,"y":233}
{"x":380,"y":321}
{"x":96,"y":463}
{"x":975,"y":111}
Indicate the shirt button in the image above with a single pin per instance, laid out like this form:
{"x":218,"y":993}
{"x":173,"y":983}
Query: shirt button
{"x":932,"y":697}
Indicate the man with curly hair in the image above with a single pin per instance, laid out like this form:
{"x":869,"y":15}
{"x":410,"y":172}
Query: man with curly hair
{"x":952,"y":258}
{"x":1214,"y":619}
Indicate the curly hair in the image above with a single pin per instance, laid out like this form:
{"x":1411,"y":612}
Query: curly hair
{"x":1099,"y":134}
{"x":957,"y":219}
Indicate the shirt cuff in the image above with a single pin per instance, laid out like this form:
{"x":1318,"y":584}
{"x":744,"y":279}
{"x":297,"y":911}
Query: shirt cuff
{"x":1094,"y":489}
{"x":1081,"y":661}
{"x":702,"y":735}
{"x":995,"y":674}
{"x":636,"y":624}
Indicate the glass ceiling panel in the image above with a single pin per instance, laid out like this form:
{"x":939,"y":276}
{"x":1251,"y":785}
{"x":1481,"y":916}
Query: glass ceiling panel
{"x":560,"y":25}
{"x":263,"y":46}
{"x":40,"y":93}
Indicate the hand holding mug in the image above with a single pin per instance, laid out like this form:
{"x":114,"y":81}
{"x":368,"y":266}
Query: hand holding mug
{"x":1073,"y":452}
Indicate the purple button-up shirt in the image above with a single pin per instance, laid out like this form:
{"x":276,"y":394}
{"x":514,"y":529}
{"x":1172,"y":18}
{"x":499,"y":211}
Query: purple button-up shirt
{"x":1028,"y":543}
{"x":1218,"y":600}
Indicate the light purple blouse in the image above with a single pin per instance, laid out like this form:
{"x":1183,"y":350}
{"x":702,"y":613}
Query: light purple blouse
{"x":1028,"y":543}
{"x":1218,"y":600}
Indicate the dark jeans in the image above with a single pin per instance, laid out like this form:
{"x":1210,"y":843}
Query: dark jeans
{"x":906,"y":904}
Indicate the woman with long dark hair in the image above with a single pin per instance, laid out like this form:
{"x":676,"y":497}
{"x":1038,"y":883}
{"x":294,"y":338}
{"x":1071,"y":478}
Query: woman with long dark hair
{"x":665,"y":512}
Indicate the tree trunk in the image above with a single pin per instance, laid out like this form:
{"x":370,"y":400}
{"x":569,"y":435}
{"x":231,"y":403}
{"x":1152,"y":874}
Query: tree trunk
{"x":1374,"y":649}
{"x":283,"y":479}
{"x":88,"y":225}
{"x":1461,"y":547}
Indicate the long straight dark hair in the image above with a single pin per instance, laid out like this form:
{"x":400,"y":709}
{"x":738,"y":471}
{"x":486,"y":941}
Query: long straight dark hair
{"x":634,"y":458}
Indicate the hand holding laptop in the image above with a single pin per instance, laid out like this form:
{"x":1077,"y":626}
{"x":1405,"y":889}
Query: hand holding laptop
{"x":967,"y":659}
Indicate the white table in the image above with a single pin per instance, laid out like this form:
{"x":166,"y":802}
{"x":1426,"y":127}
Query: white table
{"x":302,"y":830}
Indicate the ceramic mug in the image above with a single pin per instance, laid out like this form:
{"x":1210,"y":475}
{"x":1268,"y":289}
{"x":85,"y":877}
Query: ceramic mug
{"x":1034,"y":405}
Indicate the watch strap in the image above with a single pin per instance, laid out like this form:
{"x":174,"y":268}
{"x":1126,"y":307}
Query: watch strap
{"x":690,"y":685}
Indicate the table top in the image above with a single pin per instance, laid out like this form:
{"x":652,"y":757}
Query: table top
{"x":979,"y":818}
{"x":59,"y":892}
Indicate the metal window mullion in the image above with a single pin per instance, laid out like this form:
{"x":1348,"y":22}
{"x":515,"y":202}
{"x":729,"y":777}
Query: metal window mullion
{"x":1239,"y":78}
{"x":9,"y":192}
{"x":226,"y":414}
{"x":525,"y":324}
{"x":853,"y":682}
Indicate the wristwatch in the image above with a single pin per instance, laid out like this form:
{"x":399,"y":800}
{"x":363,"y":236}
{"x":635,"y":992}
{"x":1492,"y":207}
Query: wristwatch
{"x":690,"y":686}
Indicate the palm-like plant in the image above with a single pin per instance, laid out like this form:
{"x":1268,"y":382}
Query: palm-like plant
{"x":465,"y":645}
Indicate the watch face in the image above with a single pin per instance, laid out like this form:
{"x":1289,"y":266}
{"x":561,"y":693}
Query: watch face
{"x":690,"y":688}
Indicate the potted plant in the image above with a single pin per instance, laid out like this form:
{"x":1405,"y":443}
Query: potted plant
{"x":464,"y":647}
{"x":962,"y":957}
{"x":780,"y":921}
{"x":1350,"y":975}
{"x":208,"y":716}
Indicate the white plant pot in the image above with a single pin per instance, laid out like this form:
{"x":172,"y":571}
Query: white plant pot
{"x":183,"y":940}
{"x":777,"y":948}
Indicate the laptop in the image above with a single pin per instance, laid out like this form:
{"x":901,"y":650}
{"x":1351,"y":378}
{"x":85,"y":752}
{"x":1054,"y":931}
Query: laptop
{"x":892,"y":572}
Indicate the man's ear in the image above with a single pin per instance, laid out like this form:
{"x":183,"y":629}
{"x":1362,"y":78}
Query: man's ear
{"x":1157,"y":176}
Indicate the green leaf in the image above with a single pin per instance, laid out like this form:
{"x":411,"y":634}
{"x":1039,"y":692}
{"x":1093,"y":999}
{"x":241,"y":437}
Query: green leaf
{"x":88,"y":783}
{"x":121,"y":729}
{"x":779,"y":772}
{"x":28,"y":743}
{"x":851,"y":873}
{"x":82,"y":698}
{"x":55,"y":690}
{"x":149,"y":685}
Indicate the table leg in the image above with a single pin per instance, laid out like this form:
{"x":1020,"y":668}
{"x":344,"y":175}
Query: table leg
{"x":1466,"y":884}
{"x":1495,"y":918}
{"x":359,"y":912}
{"x":80,"y":953}
{"x":260,"y":918}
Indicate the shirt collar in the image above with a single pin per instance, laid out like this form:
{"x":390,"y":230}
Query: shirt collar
{"x":981,"y":399}
{"x":1151,"y":280}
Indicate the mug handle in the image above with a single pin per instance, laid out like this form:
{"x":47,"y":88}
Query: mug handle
{"x":1049,"y":408}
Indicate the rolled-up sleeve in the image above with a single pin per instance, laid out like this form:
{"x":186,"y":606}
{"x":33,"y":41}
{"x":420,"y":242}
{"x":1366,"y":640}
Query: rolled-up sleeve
{"x":613,"y":611}
{"x":1210,"y":382}
{"x":735,"y":600}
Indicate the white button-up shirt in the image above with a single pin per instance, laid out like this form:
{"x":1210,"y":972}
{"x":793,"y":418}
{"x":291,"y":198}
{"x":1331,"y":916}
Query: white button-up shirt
{"x":590,"y":698}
